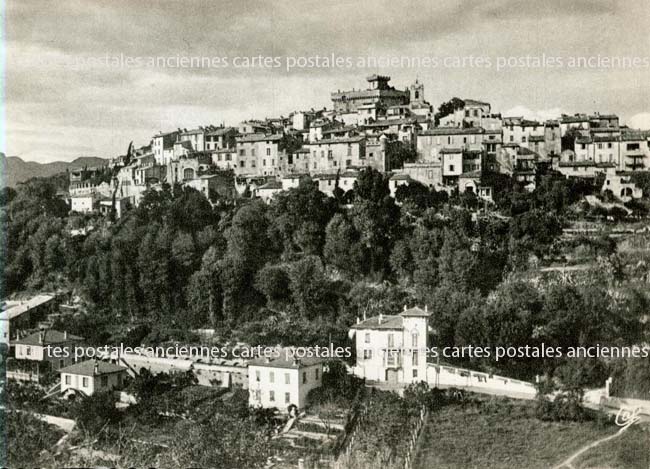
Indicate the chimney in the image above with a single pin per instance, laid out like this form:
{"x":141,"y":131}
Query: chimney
{"x":381,"y":318}
{"x":364,"y":315}
{"x":358,"y":320}
{"x":426,"y":308}
{"x":404,"y":307}
{"x":96,"y":369}
{"x":65,"y":335}
{"x":41,"y":337}
{"x":296,"y":361}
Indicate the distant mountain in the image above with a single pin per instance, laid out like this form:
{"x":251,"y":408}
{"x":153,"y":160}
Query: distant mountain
{"x":14,"y":170}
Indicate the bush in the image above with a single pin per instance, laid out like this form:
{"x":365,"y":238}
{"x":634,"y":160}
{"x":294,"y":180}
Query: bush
{"x":96,"y":412}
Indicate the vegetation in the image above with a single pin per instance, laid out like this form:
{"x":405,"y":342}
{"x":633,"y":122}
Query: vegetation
{"x":501,"y":433}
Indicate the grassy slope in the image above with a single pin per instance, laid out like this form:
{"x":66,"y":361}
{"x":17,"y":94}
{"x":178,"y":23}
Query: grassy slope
{"x":629,"y":451}
{"x":500,"y":434}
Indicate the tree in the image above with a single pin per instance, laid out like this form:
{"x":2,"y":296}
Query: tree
{"x":298,"y":217}
{"x":342,"y":247}
{"x":448,"y":108}
{"x":96,"y":412}
{"x":310,"y":288}
{"x":273,"y":281}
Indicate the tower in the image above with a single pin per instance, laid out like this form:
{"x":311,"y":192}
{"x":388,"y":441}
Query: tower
{"x":416,"y":93}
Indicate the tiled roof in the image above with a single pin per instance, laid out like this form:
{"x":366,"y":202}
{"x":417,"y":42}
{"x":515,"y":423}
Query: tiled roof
{"x":451,"y":150}
{"x":454,"y":131}
{"x":271,"y":185}
{"x":383,"y":322}
{"x":327,"y":141}
{"x":92,"y":368}
{"x":16,"y":308}
{"x":474,"y":102}
{"x":258,"y":138}
{"x":50,"y":337}
{"x":415,"y":311}
{"x":221,"y":131}
{"x":471,"y":175}
{"x":283,"y":362}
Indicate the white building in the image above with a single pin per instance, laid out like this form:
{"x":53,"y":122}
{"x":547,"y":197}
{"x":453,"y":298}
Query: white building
{"x":393,"y":348}
{"x":41,"y":353}
{"x":91,"y":376}
{"x":82,"y":203}
{"x":281,"y":382}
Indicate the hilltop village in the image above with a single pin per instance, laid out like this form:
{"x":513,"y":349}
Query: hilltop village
{"x":394,"y":131}
{"x":347,"y":249}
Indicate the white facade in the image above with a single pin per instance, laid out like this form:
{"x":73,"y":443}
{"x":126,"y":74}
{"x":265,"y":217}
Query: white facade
{"x":82,"y":203}
{"x":393,"y":348}
{"x":92,"y":376}
{"x":281,"y":383}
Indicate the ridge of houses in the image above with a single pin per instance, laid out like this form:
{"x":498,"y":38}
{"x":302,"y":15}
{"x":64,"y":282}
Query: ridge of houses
{"x":363,"y":129}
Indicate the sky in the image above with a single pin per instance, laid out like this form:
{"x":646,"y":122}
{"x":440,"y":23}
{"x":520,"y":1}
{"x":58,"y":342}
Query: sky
{"x":86,"y":77}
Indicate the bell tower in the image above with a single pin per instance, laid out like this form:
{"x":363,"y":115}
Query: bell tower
{"x":416,"y":93}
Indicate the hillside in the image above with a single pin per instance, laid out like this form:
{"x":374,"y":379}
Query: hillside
{"x":15,"y":170}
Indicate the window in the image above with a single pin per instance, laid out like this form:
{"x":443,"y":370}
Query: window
{"x":415,"y":358}
{"x":257,"y":375}
{"x":415,"y":373}
{"x":349,"y":149}
{"x":414,"y":339}
{"x":330,"y":154}
{"x":242,"y":152}
{"x":391,"y":340}
{"x":28,"y":350}
{"x":367,"y":354}
{"x":512,"y":138}
{"x":287,"y":378}
{"x":268,"y":152}
{"x":104,"y":381}
{"x":258,"y":395}
{"x":367,"y":338}
{"x":287,"y":397}
{"x":242,"y":164}
{"x":304,"y":377}
{"x":61,"y":363}
{"x":84,"y":382}
{"x":272,"y":396}
{"x":451,"y":167}
{"x":523,"y":139}
{"x":271,"y":377}
{"x":252,"y":151}
{"x":67,"y":379}
{"x":264,"y":162}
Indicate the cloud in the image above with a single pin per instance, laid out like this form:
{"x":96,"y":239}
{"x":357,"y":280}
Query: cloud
{"x":640,"y":121}
{"x":100,"y":108}
{"x":538,"y":115}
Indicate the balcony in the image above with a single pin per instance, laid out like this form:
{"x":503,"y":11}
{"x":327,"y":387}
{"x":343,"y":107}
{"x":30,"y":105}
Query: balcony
{"x":392,"y":359}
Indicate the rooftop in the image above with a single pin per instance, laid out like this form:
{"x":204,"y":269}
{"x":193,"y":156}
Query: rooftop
{"x":14,"y":309}
{"x":92,"y":368}
{"x":283,"y":362}
{"x":259,"y":138}
{"x":454,"y":131}
{"x":48,"y":337}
